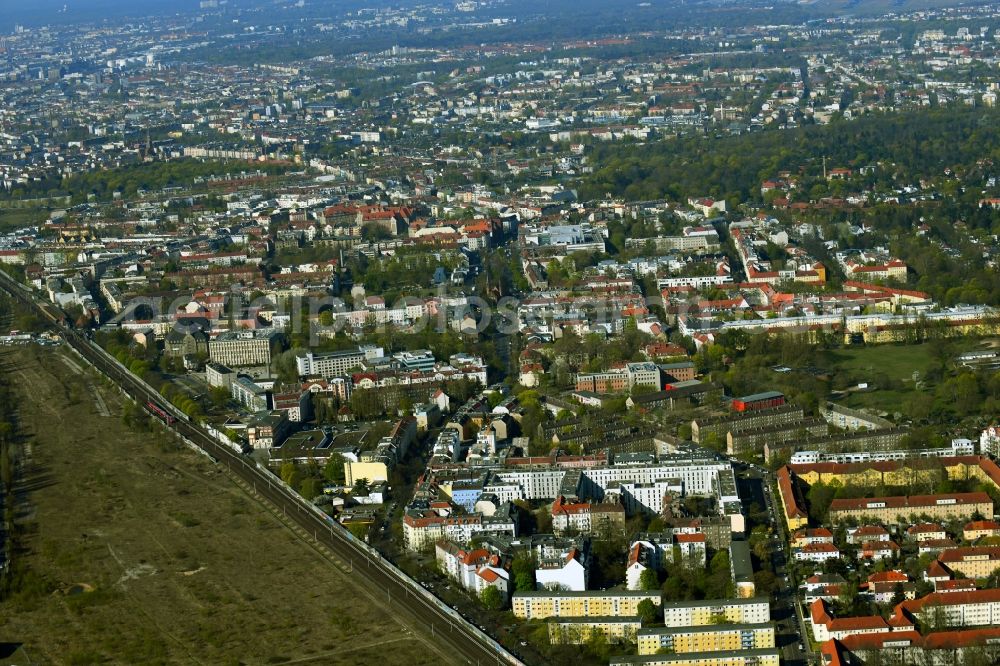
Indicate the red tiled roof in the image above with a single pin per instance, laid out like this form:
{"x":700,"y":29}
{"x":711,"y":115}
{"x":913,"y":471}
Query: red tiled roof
{"x":914,"y":501}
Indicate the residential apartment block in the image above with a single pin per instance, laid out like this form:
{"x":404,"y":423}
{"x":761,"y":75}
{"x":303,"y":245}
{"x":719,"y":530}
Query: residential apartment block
{"x":579,"y":630}
{"x":700,"y":613}
{"x":243,"y":348}
{"x":961,"y":506}
{"x":336,"y":363}
{"x":765,"y":657}
{"x":710,"y":638}
{"x":612,"y":603}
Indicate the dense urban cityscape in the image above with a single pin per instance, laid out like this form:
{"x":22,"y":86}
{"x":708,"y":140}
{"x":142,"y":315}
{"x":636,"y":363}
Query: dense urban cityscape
{"x":659,"y":333}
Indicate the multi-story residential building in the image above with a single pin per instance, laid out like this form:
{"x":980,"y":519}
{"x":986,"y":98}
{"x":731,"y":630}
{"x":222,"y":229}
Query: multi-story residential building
{"x":764,"y":657}
{"x":753,"y":440}
{"x":866,"y":533}
{"x":422,"y":529}
{"x":958,"y":448}
{"x":816,"y":552}
{"x":612,"y":603}
{"x":375,"y":464}
{"x":580,"y":630}
{"x":474,"y":569}
{"x":645,"y":374}
{"x":219,"y":375}
{"x":654,"y":551}
{"x":297,"y":403}
{"x":243,"y":348}
{"x":926,"y":532}
{"x":978,"y":529}
{"x":674,"y":373}
{"x":792,"y":502}
{"x":248,"y":394}
{"x":699,"y":613}
{"x":564,"y":571}
{"x":901,"y":472}
{"x":872,"y":440}
{"x":978,"y":608}
{"x":846,"y":418}
{"x":953,"y":506}
{"x":973,"y":561}
{"x":909,"y":647}
{"x":268,"y":429}
{"x":717,"y":427}
{"x":974,"y":608}
{"x":603,"y":382}
{"x":710,"y":638}
{"x":587,"y":517}
{"x":989,"y":441}
{"x":808,"y":536}
{"x":697,"y":472}
{"x":691,"y":548}
{"x":877,"y":550}
{"x":825,"y":626}
{"x":336,"y":363}
{"x":180,"y":343}
{"x":665,"y":244}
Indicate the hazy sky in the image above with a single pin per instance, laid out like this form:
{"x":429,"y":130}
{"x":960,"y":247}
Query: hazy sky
{"x":49,"y":10}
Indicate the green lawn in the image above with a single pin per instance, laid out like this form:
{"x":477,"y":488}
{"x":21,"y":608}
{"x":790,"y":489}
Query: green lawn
{"x":17,"y":218}
{"x":896,"y":361}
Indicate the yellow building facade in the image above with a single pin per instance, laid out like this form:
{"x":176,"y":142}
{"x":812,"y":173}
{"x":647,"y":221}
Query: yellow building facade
{"x":576,"y":631}
{"x":543,"y":605}
{"x":712,"y":638}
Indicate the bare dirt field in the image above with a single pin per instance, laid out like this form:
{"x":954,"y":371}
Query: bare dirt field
{"x":147,"y":553}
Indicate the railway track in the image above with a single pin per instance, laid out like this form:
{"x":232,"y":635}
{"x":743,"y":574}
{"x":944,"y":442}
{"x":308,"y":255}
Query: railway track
{"x":423,"y":612}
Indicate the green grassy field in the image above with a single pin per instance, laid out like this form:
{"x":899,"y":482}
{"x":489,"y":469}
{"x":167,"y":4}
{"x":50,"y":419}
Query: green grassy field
{"x":897,"y":361}
{"x":17,"y":218}
{"x":144,"y":552}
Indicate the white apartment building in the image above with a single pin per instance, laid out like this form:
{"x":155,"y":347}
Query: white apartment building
{"x":566,"y":571}
{"x":336,"y":363}
{"x":243,"y":348}
{"x":700,"y":613}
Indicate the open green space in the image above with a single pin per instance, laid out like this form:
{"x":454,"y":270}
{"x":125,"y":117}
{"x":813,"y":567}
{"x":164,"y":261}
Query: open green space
{"x":18,"y":218}
{"x":136,"y":550}
{"x":898,"y":362}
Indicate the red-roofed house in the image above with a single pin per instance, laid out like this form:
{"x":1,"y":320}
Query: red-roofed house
{"x":877,"y":550}
{"x":926,"y":532}
{"x":825,"y":626}
{"x":867,"y":533}
{"x":807,"y":536}
{"x":972,"y":562}
{"x":816,"y":552}
{"x":978,"y":529}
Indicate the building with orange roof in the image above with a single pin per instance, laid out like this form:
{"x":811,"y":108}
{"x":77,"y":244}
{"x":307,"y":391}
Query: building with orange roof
{"x":811,"y":535}
{"x":958,"y":585}
{"x":587,"y":517}
{"x":563,"y":571}
{"x":935,"y":546}
{"x":913,"y":648}
{"x":978,"y":529}
{"x":972,"y":562}
{"x":825,"y":626}
{"x":949,"y":506}
{"x":926,"y":532}
{"x":474,"y":569}
{"x":816,"y":552}
{"x":867,"y":534}
{"x":937,"y":572}
{"x":793,"y":505}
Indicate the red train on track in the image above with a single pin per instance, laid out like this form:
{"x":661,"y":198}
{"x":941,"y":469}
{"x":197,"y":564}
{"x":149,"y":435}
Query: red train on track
{"x":159,"y":413}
